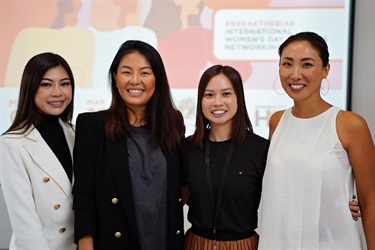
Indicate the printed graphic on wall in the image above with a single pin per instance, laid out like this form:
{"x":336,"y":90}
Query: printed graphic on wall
{"x":190,"y":35}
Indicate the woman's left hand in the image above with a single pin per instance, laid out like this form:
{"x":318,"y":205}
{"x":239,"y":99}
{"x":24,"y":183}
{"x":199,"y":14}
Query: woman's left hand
{"x":354,"y":209}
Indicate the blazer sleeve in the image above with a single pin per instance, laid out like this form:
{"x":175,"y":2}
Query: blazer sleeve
{"x":18,"y":195}
{"x":87,"y":140}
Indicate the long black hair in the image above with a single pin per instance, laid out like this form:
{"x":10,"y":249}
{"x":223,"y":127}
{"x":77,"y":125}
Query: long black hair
{"x":165,"y":121}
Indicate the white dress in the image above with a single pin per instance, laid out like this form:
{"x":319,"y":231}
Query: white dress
{"x":307,"y":185}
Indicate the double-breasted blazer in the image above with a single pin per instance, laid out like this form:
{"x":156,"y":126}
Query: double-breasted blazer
{"x":103,"y":197}
{"x":37,"y":191}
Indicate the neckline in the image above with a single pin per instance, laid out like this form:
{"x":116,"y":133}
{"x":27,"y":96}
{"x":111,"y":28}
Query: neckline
{"x":225,"y":141}
{"x":310,"y":118}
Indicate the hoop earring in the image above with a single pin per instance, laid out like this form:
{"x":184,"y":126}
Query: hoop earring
{"x":274,"y":89}
{"x":322,"y":90}
{"x":208,"y":126}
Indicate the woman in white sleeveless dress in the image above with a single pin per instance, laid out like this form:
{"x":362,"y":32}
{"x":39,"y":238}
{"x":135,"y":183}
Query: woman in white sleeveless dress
{"x":316,"y":151}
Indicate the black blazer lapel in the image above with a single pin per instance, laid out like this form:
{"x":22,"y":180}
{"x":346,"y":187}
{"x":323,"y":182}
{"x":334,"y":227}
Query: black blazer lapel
{"x":118,"y":161}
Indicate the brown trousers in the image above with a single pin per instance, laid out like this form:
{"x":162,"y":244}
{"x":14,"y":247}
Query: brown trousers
{"x":195,"y":242}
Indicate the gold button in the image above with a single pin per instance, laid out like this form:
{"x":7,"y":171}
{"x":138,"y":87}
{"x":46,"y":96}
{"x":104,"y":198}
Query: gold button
{"x":46,"y":179}
{"x":117,"y":234}
{"x":179,"y":200}
{"x":114,"y":201}
{"x":178,"y":232}
{"x":57,"y":206}
{"x":61,"y":230}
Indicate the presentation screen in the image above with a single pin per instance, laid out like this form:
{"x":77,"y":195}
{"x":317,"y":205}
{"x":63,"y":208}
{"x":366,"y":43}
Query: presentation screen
{"x":191,"y":35}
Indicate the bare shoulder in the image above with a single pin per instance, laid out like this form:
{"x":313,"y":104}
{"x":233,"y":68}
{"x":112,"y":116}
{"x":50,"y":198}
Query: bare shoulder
{"x":350,"y":122}
{"x":274,"y":121}
{"x":275,"y":118}
{"x":351,"y":127}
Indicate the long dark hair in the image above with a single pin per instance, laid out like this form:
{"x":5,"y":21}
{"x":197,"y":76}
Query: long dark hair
{"x":165,"y":121}
{"x":241,"y":122}
{"x":27,"y":113}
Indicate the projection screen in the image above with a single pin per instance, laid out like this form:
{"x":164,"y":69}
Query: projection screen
{"x":191,"y":35}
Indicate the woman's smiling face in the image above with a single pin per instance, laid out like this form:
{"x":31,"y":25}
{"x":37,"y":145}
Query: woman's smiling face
{"x":219,"y":103}
{"x":135,"y":81}
{"x":301,"y":70}
{"x":54,"y":93}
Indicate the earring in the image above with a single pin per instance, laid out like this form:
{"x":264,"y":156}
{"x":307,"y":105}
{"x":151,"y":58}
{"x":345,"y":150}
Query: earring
{"x":274,"y":89}
{"x":208,"y":126}
{"x":322,"y":90}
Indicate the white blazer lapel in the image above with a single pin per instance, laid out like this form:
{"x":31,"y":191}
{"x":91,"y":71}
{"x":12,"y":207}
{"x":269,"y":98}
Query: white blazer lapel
{"x":47,"y":161}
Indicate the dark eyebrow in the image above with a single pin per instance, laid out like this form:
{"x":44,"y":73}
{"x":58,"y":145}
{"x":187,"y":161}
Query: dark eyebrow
{"x":223,"y":90}
{"x":47,"y":79}
{"x":303,"y":59}
{"x":308,"y":59}
{"x":287,"y":58}
{"x":127,"y":67}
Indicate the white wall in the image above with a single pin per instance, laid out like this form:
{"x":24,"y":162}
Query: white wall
{"x":363,"y":85}
{"x":363,"y":88}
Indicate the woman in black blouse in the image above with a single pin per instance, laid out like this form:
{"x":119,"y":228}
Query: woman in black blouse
{"x":223,"y":164}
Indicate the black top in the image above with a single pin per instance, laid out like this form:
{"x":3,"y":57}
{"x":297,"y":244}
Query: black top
{"x":53,"y":135}
{"x":242,"y":188}
{"x":148,"y":171}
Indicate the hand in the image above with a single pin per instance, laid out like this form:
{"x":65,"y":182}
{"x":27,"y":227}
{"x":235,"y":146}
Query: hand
{"x":86,"y":243}
{"x":354,"y":208}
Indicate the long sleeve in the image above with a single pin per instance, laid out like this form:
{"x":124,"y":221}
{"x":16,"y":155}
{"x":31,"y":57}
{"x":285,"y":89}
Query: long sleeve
{"x":19,"y":198}
{"x":84,"y":157}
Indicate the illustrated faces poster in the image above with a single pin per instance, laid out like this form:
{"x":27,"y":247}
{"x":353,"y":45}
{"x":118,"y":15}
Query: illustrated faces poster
{"x":191,"y":35}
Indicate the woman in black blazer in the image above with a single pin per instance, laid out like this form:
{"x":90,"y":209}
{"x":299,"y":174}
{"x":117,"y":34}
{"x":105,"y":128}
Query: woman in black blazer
{"x":127,"y":187}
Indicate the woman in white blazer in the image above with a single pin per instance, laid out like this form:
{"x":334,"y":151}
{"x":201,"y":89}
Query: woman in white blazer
{"x":36,"y":157}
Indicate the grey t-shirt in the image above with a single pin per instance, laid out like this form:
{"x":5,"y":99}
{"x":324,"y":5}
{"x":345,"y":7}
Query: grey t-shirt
{"x":148,"y":171}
